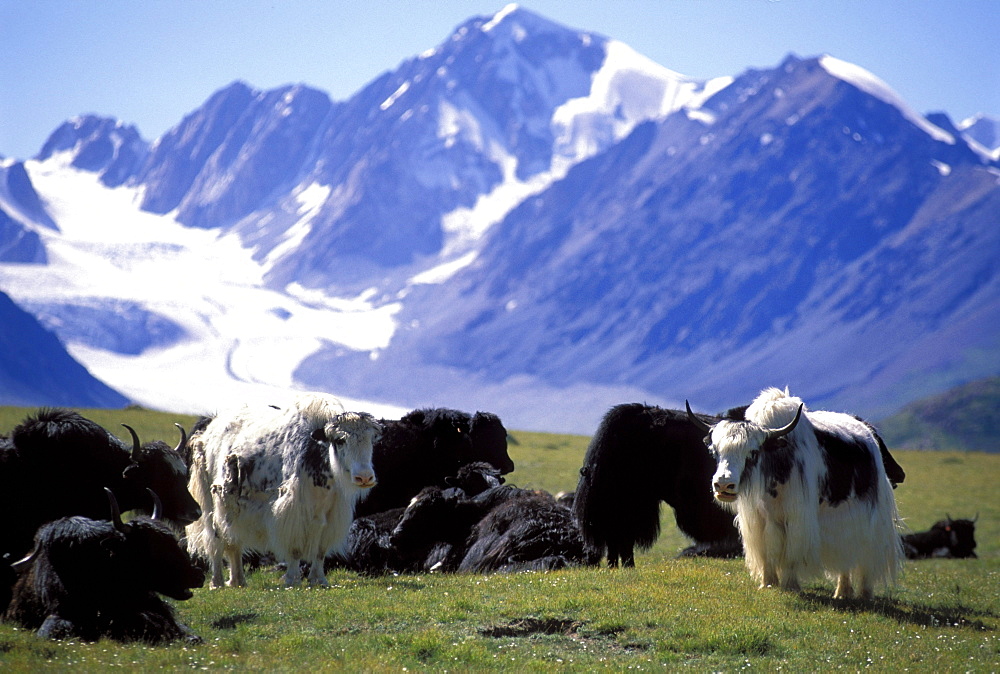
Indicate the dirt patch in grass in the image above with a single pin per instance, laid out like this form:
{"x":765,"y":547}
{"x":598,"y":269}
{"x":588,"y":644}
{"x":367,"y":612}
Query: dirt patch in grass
{"x":525,"y":627}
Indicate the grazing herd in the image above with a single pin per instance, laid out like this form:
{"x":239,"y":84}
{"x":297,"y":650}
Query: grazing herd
{"x":798,"y":493}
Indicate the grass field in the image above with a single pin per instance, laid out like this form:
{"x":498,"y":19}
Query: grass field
{"x":666,"y":614}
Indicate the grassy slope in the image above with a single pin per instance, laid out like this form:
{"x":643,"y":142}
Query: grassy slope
{"x":965,"y":417}
{"x":666,"y":613}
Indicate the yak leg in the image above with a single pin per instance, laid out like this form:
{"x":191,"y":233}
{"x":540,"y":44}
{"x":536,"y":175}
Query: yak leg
{"x":628,"y":557}
{"x":234,"y":555}
{"x":790,"y":580}
{"x":316,"y":576}
{"x":844,"y":588}
{"x":217,"y":566}
{"x":612,"y":555}
{"x":293,"y":572}
{"x":770,"y":576}
{"x":864,"y":583}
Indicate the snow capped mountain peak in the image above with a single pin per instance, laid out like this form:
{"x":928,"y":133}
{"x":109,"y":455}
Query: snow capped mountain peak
{"x":870,"y":84}
{"x":984,"y":131}
{"x":526,"y":217}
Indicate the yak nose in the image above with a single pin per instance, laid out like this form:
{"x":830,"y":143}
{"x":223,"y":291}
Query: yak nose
{"x":365,"y":480}
{"x":724,"y":486}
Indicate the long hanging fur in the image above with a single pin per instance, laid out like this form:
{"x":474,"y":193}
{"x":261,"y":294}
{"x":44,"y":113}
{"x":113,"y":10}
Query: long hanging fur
{"x":796,"y":517}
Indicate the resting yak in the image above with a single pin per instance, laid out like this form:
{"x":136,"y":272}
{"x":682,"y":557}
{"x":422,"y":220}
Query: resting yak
{"x":89,"y":579}
{"x":60,"y":462}
{"x":947,"y":538}
{"x":425,"y":447}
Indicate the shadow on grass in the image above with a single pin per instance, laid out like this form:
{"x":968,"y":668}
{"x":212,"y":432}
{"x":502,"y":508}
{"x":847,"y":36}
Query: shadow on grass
{"x":228,"y":622}
{"x":903,"y":612}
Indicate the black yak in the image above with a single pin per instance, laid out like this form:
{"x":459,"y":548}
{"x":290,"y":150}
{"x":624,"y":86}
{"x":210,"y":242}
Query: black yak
{"x":947,"y":538}
{"x":89,"y":579}
{"x":639,"y":456}
{"x":57,"y":463}
{"x":425,"y":447}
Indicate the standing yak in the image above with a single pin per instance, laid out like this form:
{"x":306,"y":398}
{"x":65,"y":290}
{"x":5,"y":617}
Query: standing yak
{"x":806,"y":505}
{"x":639,"y":456}
{"x":280,"y":480}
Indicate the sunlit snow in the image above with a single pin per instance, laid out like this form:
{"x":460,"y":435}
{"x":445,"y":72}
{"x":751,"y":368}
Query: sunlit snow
{"x":871,"y":84}
{"x":243,"y":340}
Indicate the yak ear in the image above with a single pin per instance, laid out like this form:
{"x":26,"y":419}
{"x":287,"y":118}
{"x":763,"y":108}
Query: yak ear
{"x":131,"y":468}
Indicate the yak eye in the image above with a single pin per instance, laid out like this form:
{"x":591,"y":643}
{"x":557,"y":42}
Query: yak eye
{"x":707,"y":440}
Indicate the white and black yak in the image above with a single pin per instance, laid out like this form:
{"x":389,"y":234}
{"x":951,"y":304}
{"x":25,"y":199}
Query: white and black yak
{"x":805,"y":507}
{"x":280,"y":480}
{"x":91,"y":579}
{"x":640,"y":456}
{"x":57,"y":463}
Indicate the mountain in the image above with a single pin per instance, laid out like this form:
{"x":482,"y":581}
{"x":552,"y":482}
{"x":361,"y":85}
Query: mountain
{"x":984,"y":130}
{"x":528,"y":219}
{"x":963,"y":418}
{"x":19,"y":205}
{"x":36,"y":370}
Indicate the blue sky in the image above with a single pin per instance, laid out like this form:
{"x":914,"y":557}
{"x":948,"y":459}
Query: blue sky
{"x":150,"y":62}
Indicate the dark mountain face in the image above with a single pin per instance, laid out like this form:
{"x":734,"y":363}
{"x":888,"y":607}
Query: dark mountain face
{"x":36,"y":370}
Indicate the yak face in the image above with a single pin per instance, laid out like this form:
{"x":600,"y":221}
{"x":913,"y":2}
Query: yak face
{"x":350,"y":437}
{"x":736,"y":446}
{"x":163,"y":470}
{"x":489,"y":441}
{"x":960,"y":534}
{"x":150,"y":558}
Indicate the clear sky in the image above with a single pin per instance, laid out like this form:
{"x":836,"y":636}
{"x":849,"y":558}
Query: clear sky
{"x":150,"y":62}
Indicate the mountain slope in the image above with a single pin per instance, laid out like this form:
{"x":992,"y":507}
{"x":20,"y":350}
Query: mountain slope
{"x":36,"y":370}
{"x":966,"y":417}
{"x":809,"y":235}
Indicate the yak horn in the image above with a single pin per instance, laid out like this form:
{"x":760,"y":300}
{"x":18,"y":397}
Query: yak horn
{"x":184,"y":438}
{"x":116,"y":514}
{"x":23,"y":563}
{"x":136,"y":447}
{"x":697,"y":421}
{"x":773,"y":433}
{"x":157,"y":505}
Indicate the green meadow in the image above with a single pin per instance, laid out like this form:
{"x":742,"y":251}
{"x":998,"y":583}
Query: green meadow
{"x":666,"y":614}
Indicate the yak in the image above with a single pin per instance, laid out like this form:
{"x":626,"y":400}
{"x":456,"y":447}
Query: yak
{"x":805,"y":506}
{"x":639,"y":456}
{"x":425,"y":447}
{"x":57,"y":463}
{"x":90,"y":579}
